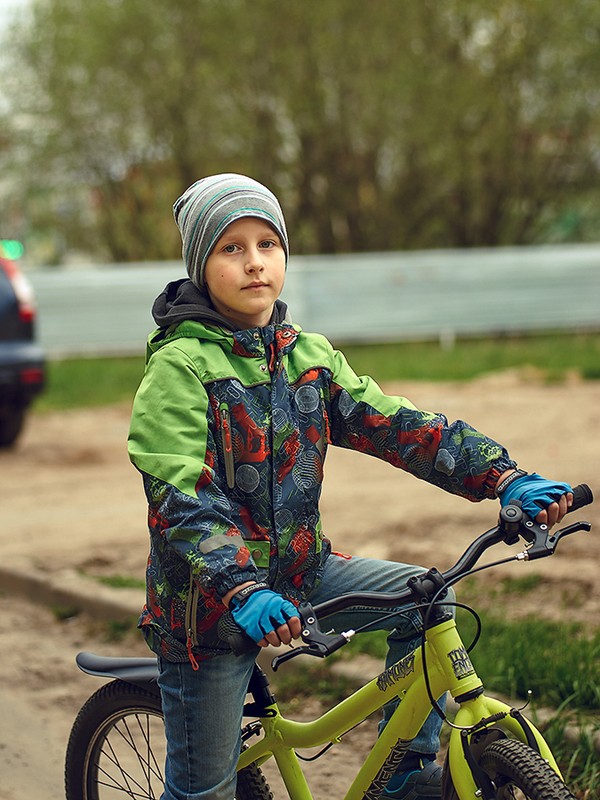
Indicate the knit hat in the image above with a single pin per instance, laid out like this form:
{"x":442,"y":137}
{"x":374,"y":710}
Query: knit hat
{"x":211,"y":204}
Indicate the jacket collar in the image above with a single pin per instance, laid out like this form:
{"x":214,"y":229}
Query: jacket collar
{"x":249,"y":343}
{"x":253,"y":342}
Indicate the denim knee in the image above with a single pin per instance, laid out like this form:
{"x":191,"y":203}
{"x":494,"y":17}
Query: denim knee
{"x":203,"y":714}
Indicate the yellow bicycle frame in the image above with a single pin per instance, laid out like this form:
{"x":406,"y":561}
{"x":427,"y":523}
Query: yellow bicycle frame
{"x":449,"y":669}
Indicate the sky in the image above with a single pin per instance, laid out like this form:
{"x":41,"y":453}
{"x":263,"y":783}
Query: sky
{"x":7,"y":9}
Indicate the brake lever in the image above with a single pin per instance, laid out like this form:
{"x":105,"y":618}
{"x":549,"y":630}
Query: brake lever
{"x":544,"y":543}
{"x":292,"y":653}
{"x":318,"y":649}
{"x":318,"y":644}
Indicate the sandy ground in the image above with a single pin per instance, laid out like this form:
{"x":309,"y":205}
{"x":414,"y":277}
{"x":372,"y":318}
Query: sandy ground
{"x":73,"y":507}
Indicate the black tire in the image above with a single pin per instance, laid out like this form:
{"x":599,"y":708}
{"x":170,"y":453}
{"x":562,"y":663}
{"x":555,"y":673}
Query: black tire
{"x":12,"y":420}
{"x":117,"y":749}
{"x":251,"y":785}
{"x":519,"y":773}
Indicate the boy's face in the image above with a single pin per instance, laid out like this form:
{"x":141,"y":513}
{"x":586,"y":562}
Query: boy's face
{"x":245,"y":272}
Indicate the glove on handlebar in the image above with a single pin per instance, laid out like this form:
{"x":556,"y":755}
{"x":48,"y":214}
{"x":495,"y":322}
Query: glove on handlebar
{"x":261,"y":613}
{"x":534,"y":492}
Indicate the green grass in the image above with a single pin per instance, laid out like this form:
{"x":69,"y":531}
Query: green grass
{"x":117,"y":630}
{"x":558,"y":662}
{"x":63,"y":613}
{"x":80,"y":382}
{"x":119,"y":581}
{"x":553,"y":355}
{"x":577,"y":755}
{"x":86,"y":382}
{"x":293,"y":687}
{"x":522,"y":585}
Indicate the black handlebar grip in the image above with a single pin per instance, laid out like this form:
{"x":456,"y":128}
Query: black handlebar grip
{"x":240,"y":643}
{"x":582,"y":496}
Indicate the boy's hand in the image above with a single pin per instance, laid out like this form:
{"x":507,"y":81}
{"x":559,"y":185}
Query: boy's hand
{"x":543,"y":500}
{"x":265,"y":616}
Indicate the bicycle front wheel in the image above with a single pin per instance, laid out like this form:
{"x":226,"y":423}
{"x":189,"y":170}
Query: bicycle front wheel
{"x":519,"y":773}
{"x":117,"y":749}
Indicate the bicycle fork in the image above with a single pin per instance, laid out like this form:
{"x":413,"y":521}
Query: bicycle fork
{"x":479,"y":721}
{"x":479,"y":718}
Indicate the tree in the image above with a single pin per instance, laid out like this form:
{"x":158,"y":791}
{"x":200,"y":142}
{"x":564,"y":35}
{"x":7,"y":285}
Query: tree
{"x":384,"y":125}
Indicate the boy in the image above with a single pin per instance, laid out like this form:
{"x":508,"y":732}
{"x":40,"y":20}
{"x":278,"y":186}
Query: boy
{"x":229,"y":429}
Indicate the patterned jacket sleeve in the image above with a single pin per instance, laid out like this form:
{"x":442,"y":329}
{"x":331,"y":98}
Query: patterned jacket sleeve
{"x":453,"y":456}
{"x":168,"y":443}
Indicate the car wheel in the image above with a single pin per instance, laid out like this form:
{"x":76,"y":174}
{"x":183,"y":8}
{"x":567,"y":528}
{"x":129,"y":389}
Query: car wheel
{"x":11,"y":424}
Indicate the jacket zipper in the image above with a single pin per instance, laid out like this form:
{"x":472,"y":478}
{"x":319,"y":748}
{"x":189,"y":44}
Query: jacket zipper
{"x":191,"y":608}
{"x":227,"y":445}
{"x":325,"y":437}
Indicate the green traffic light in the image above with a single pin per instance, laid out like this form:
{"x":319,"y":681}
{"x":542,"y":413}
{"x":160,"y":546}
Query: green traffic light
{"x":11,"y":249}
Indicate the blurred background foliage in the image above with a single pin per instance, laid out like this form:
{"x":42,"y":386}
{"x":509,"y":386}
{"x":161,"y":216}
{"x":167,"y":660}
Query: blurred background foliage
{"x":392,"y":124}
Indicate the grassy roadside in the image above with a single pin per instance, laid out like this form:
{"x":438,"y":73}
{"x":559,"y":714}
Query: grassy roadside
{"x":90,"y":382}
{"x":74,"y":383}
{"x":552,"y":355}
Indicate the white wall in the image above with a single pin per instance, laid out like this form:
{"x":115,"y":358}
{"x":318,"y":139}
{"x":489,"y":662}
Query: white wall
{"x":436,"y":294}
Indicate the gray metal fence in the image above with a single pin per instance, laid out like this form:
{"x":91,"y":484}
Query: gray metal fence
{"x":437,"y":294}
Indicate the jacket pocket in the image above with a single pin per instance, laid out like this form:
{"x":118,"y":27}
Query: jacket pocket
{"x":226,"y":441}
{"x":260,"y":551}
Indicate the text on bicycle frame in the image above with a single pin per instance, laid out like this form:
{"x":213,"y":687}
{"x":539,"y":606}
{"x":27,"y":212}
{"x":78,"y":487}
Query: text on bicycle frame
{"x":396,"y":672}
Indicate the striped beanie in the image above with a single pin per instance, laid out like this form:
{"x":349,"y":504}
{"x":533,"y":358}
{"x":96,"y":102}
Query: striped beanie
{"x":211,"y":204}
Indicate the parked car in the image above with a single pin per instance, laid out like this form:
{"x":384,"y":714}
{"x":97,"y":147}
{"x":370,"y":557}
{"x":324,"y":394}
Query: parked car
{"x":22,"y":363}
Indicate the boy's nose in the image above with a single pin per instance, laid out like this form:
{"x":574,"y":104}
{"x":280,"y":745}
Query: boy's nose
{"x":254,"y":261}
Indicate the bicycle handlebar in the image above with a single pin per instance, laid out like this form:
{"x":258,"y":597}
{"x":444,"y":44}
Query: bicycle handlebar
{"x":582,"y":496}
{"x":513,"y":524}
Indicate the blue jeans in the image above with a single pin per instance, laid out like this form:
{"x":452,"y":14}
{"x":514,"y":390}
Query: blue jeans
{"x":203,"y":709}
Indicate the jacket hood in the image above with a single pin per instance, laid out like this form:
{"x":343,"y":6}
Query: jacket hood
{"x":182,"y":300}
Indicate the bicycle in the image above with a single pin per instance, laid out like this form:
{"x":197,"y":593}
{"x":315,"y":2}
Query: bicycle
{"x":494,"y":751}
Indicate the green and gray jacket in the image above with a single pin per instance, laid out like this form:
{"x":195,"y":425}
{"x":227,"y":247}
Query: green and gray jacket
{"x":230,"y":429}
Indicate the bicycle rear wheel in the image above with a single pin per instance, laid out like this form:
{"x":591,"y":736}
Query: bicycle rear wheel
{"x":117,"y":749}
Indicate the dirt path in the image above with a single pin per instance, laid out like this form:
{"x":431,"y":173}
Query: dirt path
{"x":73,"y":505}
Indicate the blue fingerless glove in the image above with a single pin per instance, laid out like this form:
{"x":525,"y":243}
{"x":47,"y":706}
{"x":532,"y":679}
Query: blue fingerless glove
{"x":261,"y":612}
{"x":534,"y":492}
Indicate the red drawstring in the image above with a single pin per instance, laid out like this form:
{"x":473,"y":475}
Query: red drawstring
{"x":272,"y":358}
{"x":191,"y":656}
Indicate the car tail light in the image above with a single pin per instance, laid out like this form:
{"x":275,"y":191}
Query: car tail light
{"x":22,"y":289}
{"x":31,"y":376}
